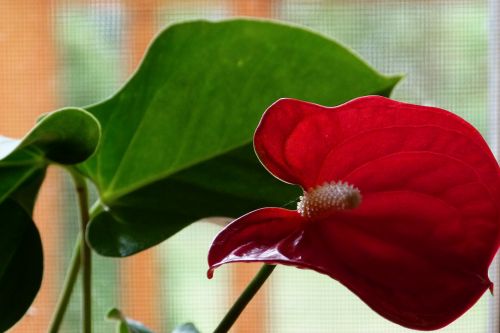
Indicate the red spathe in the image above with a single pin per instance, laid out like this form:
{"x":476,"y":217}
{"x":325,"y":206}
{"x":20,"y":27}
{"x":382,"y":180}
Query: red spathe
{"x":418,"y":247}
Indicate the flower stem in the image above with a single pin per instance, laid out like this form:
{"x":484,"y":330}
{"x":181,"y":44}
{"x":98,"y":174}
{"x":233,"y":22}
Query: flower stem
{"x":69,"y":283}
{"x":245,"y":298}
{"x":85,"y":252}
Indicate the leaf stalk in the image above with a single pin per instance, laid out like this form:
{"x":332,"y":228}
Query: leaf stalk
{"x":69,"y":283}
{"x":85,"y":252}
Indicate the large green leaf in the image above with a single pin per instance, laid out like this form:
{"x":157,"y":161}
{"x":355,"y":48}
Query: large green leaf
{"x":176,"y":142}
{"x":21,"y":263}
{"x":66,"y":136}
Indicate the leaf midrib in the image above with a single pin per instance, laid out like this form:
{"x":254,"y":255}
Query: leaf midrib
{"x":21,"y":180}
{"x":108,"y":197}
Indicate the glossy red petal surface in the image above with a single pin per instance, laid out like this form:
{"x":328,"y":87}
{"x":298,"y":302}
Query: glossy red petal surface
{"x":256,"y":236}
{"x":417,"y":249}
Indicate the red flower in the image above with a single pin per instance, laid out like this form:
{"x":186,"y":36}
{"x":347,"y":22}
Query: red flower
{"x":401,"y":205}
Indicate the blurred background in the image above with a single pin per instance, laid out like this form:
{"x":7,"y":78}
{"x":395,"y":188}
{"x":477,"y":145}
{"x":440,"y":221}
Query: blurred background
{"x":56,"y":53}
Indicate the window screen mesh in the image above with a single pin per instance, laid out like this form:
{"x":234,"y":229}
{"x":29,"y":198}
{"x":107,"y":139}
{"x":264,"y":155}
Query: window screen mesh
{"x":60,"y":53}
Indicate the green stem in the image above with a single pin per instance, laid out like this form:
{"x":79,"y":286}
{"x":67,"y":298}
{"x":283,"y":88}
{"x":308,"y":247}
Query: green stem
{"x":245,"y":298}
{"x":86,"y":255}
{"x":69,"y":283}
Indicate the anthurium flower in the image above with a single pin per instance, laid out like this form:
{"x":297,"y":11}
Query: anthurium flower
{"x":400,"y":205}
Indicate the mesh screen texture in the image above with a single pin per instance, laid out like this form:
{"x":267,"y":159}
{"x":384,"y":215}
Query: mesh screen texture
{"x":60,"y":53}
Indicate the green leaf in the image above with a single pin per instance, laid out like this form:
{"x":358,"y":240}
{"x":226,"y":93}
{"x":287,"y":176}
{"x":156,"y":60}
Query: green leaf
{"x":21,"y":263}
{"x":127,"y":325}
{"x":186,"y":328}
{"x":66,"y":136}
{"x":177,"y":139}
